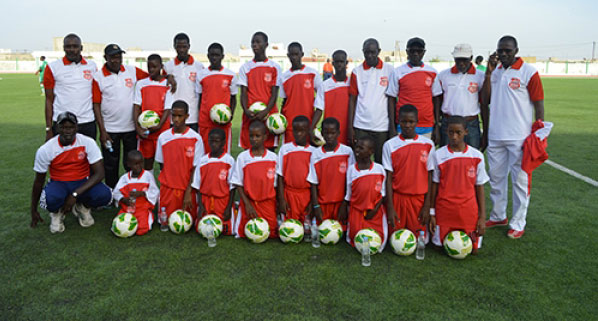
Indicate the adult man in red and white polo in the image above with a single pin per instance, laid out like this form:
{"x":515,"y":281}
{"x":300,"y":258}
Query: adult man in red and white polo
{"x":185,"y":69}
{"x":368,"y":113}
{"x":67,"y":83}
{"x":516,"y":97}
{"x":460,"y":86}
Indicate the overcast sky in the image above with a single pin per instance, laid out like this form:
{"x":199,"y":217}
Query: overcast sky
{"x":548,"y":28}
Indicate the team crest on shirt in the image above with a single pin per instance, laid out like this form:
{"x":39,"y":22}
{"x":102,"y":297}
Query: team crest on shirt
{"x":80,"y":155}
{"x":222,"y":174}
{"x":192,"y":76}
{"x":129,"y":82}
{"x":144,"y":189}
{"x":87,"y":74}
{"x":225,"y":83}
{"x":471,"y":172}
{"x":271,"y":173}
{"x":473,"y":87}
{"x":383,"y":81}
{"x":307,"y":83}
{"x":423,"y":156}
{"x":515,"y":83}
{"x":342,"y":167}
{"x":189,"y":151}
{"x":428,"y":81}
{"x":378,"y":186}
{"x":268,"y":77}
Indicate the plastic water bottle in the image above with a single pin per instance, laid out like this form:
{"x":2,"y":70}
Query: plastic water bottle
{"x":420,"y":253}
{"x":132,"y":201}
{"x":109,"y":146}
{"x":210,"y":234}
{"x":306,"y":230}
{"x":365,"y":252}
{"x":146,"y":132}
{"x":163,"y":220}
{"x":315,"y":234}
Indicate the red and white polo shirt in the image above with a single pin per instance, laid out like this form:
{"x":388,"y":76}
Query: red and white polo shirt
{"x":365,"y":187}
{"x":328,"y":170}
{"x":369,"y":85}
{"x":298,"y":87}
{"x":213,"y":175}
{"x":185,"y":74}
{"x":409,"y":161}
{"x":257,"y":174}
{"x":293,"y":164}
{"x":460,"y":91}
{"x":215,"y":87}
{"x":179,"y":153}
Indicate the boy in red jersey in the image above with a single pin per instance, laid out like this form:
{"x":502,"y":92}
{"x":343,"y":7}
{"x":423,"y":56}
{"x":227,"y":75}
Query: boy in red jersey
{"x":154,"y":94}
{"x":212,"y":181}
{"x":178,"y":152}
{"x":254,"y":177}
{"x":293,"y":166}
{"x":139,"y":185}
{"x":457,"y":193}
{"x":407,"y":159}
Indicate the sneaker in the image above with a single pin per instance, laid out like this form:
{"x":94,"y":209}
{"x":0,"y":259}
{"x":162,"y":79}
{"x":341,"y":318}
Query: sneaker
{"x":490,"y":223}
{"x":512,"y":234}
{"x":56,"y":222}
{"x":83,"y":213}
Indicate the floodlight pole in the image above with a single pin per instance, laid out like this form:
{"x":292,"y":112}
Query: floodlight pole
{"x":593,"y":50}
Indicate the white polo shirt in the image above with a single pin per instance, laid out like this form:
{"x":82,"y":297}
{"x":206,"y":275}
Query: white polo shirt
{"x":369,"y":85}
{"x":72,"y":87}
{"x":460,"y":91}
{"x":115,"y":93}
{"x":185,"y":74}
{"x":511,"y":108}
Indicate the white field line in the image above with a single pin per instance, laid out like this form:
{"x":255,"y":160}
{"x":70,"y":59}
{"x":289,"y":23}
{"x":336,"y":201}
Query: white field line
{"x":572,"y":173}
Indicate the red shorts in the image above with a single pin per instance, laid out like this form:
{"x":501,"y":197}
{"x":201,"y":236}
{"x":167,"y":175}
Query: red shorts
{"x":358,"y":222}
{"x":407,"y":207}
{"x":217,"y":206}
{"x":204,"y":132}
{"x":265,"y":209}
{"x":443,"y":230}
{"x":271,"y":140}
{"x":330,"y":212}
{"x":147,"y":147}
{"x":298,"y":200}
{"x":172,"y":199}
{"x":145,"y":219}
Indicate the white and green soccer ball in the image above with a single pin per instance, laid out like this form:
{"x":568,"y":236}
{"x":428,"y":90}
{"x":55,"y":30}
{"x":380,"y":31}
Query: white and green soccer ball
{"x":220,"y":114}
{"x":203,"y":223}
{"x":457,"y":245}
{"x":257,"y":230}
{"x":180,"y":222}
{"x":257,"y":107}
{"x":124,"y":225}
{"x":291,"y":231}
{"x":277,"y":123}
{"x":403,"y":242}
{"x":373,"y":237}
{"x":148,"y":118}
{"x":331,"y":231}
{"x":318,"y":138}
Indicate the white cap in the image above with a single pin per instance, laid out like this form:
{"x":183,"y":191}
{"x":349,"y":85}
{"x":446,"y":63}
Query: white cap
{"x":462,"y":50}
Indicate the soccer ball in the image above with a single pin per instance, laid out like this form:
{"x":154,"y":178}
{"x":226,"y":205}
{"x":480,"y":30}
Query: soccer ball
{"x":180,"y":222}
{"x":257,"y":230}
{"x":203,"y":223}
{"x":124,"y":225}
{"x":291,"y":231}
{"x":373,"y":237}
{"x":318,"y":138}
{"x":403,"y":242}
{"x":277,"y":123}
{"x":457,"y":245}
{"x":331,"y":231}
{"x":220,"y":114}
{"x":257,"y":107}
{"x":148,"y":118}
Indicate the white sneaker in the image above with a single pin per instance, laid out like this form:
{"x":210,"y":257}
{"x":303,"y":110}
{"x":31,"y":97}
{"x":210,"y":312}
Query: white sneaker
{"x":83,"y":213}
{"x":56,"y":222}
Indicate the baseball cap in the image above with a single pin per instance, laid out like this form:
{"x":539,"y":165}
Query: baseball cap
{"x":67,"y":115}
{"x":416,"y":41}
{"x":112,"y":49}
{"x":462,"y":50}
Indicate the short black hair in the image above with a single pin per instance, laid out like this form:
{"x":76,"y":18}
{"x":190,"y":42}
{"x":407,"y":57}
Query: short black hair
{"x":295,"y":44}
{"x":368,"y":138}
{"x":154,"y":57}
{"x":479,"y":59}
{"x":509,"y":38}
{"x":217,"y":131}
{"x":134,"y":154}
{"x":215,"y":45}
{"x":339,"y":52}
{"x":181,"y":36}
{"x":300,"y":119}
{"x":42,"y":58}
{"x":258,"y":124}
{"x":457,"y":120}
{"x":71,"y":35}
{"x":181,"y":104}
{"x":262,"y":34}
{"x":331,"y":121}
{"x":371,"y":40}
{"x":405,"y":109}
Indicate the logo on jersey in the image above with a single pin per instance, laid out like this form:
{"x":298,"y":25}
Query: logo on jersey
{"x":515,"y":83}
{"x":423,"y":157}
{"x":192,"y":76}
{"x":144,"y":189}
{"x":222,"y":175}
{"x":473,"y":87}
{"x":189,"y":151}
{"x":87,"y":74}
{"x":383,"y":81}
{"x":80,"y":155}
{"x":268,"y":77}
{"x":378,"y":186}
{"x":428,"y":81}
{"x":342,"y":167}
{"x":307,"y":83}
{"x":225,"y":83}
{"x":271,"y":173}
{"x":129,"y":82}
{"x":471,"y":172}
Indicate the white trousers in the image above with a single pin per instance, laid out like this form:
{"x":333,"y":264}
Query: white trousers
{"x":504,"y":157}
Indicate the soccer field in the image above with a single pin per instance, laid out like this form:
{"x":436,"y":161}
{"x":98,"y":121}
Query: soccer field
{"x":88,"y":274}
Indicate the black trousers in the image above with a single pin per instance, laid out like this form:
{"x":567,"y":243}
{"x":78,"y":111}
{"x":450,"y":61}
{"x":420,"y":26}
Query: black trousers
{"x":111,"y":160}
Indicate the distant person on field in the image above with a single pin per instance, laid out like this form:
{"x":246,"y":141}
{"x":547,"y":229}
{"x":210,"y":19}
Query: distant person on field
{"x":67,"y":83}
{"x":478,"y":62}
{"x":76,"y":172}
{"x":40,"y":72}
{"x":327,"y":69}
{"x":516,"y":97}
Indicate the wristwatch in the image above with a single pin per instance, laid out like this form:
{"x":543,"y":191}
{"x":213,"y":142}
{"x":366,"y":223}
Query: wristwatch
{"x":75,"y":194}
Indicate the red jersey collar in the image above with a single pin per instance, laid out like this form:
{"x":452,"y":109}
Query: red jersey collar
{"x":107,"y":72}
{"x":190,"y":61}
{"x":463,"y":152}
{"x":338,"y":145}
{"x":516,"y":65}
{"x":65,"y":61}
{"x":403,"y":138}
{"x":378,"y":66}
{"x":470,"y":71}
{"x":359,"y":170}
